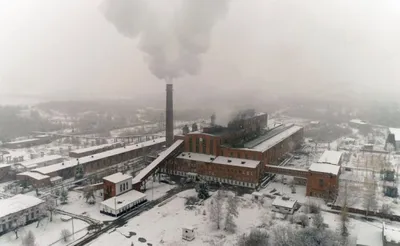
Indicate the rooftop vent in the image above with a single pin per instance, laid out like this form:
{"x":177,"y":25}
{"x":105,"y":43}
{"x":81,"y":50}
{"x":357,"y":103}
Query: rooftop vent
{"x":183,"y":154}
{"x":212,"y":158}
{"x":92,"y":156}
{"x":119,"y":202}
{"x":62,"y":163}
{"x":229,"y":161}
{"x":137,"y":145}
{"x":285,"y":198}
{"x":243,"y":162}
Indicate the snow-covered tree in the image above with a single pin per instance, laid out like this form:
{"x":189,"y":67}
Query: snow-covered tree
{"x":318,"y":221}
{"x":369,"y":199}
{"x":65,"y":235}
{"x":29,"y":239}
{"x":17,"y":224}
{"x":50,"y":206}
{"x":202,"y":190}
{"x":302,"y":219}
{"x":231,"y":214}
{"x":64,"y":196}
{"x":254,"y":238}
{"x":88,"y":193}
{"x":216,"y":209}
{"x":79,"y":171}
{"x":41,"y":215}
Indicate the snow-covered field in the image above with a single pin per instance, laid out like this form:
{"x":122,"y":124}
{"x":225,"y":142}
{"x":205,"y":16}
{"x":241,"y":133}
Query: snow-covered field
{"x":47,"y":233}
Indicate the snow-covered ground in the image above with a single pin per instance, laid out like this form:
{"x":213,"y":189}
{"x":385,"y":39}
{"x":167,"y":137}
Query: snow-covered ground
{"x":77,"y":203}
{"x":47,"y":233}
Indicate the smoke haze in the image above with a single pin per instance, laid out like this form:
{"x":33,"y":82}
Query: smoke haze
{"x":172,"y":45}
{"x":255,"y":50}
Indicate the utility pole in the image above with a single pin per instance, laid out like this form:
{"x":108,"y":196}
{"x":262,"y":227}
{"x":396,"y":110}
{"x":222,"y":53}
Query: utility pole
{"x":73,"y":230}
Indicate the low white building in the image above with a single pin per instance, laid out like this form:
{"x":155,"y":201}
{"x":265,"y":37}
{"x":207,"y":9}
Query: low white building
{"x":284,"y":205}
{"x":18,"y":208}
{"x":118,"y":205}
{"x":257,"y":195}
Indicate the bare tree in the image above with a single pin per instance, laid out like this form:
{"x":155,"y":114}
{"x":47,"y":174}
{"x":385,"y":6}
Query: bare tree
{"x":64,"y":196}
{"x":369,"y":199}
{"x":232,"y":212}
{"x":41,"y":215}
{"x":50,"y":206}
{"x":18,"y":223}
{"x":216,"y":209}
{"x":65,"y":235}
{"x":255,"y":238}
{"x":318,"y":221}
{"x":29,"y":239}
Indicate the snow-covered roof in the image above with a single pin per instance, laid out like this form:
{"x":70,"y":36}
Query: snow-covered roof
{"x":331,"y":157}
{"x":314,"y":122}
{"x":17,"y":203}
{"x":95,"y":157}
{"x":269,"y":143}
{"x":395,"y":132}
{"x":257,"y":193}
{"x":196,"y":157}
{"x":236,"y":162}
{"x":120,"y":201}
{"x":4,"y":165}
{"x":325,"y":168}
{"x":391,"y":234}
{"x":282,"y":202}
{"x":34,"y":175}
{"x":35,"y":162}
{"x":157,"y":161}
{"x":117,"y":177}
{"x":23,"y":141}
{"x":93,"y":148}
{"x":358,"y":121}
{"x":56,"y":178}
{"x":218,"y":159}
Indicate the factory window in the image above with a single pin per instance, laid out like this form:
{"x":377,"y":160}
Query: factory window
{"x":197,"y":145}
{"x":211,"y":147}
{"x":321,"y":182}
{"x":190,"y":144}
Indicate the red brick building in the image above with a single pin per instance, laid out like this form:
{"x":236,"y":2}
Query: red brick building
{"x":116,"y":184}
{"x":323,"y":180}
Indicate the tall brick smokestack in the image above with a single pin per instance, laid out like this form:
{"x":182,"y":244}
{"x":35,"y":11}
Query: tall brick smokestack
{"x":169,"y":121}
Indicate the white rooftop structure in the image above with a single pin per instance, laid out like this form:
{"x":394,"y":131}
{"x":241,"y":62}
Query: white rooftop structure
{"x":331,"y":157}
{"x":396,"y":133}
{"x":117,"y":178}
{"x":17,"y":203}
{"x":36,"y":162}
{"x":391,"y":234}
{"x":271,"y":142}
{"x":358,"y":121}
{"x":196,"y":157}
{"x":236,"y":162}
{"x":23,"y":141}
{"x":285,"y":203}
{"x":93,"y":148}
{"x":33,"y":175}
{"x":325,"y":168}
{"x":118,"y":202}
{"x":219,"y":159}
{"x":99,"y":156}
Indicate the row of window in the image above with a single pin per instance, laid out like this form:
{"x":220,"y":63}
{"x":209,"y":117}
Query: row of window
{"x":123,"y":187}
{"x":215,"y":179}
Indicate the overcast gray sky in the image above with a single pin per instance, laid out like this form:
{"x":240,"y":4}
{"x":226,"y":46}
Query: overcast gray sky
{"x":67,"y":47}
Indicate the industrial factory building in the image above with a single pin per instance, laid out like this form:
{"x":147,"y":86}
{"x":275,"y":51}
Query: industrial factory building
{"x":78,"y":153}
{"x":42,"y":176}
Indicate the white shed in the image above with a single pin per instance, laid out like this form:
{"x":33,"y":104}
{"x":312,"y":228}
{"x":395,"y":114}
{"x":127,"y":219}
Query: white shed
{"x":188,"y":233}
{"x":257,"y":195}
{"x":284,"y":205}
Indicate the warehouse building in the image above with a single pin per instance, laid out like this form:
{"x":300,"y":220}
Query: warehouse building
{"x":38,"y":162}
{"x":78,"y":153}
{"x":118,"y":205}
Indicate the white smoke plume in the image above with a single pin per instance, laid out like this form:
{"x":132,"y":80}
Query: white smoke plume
{"x":172,"y":47}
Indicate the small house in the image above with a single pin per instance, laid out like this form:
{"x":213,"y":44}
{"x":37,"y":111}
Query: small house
{"x":188,"y":233}
{"x":284,"y":205}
